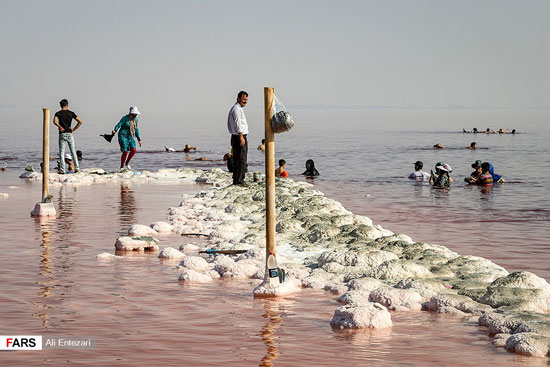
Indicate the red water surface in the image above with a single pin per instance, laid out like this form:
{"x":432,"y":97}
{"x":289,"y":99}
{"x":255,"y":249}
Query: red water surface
{"x":140,"y":315}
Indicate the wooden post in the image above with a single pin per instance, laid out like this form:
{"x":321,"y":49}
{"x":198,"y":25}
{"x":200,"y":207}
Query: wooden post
{"x":269,"y":173}
{"x":46,"y":153}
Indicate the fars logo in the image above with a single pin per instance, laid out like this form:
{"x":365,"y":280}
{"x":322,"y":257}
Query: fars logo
{"x":20,"y":342}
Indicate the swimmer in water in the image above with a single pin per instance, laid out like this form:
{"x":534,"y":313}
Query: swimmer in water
{"x":188,"y":148}
{"x":472,"y":179}
{"x":281,"y":172}
{"x":310,"y":169}
{"x":418,"y":174}
{"x":441,"y":178}
{"x":438,"y":146}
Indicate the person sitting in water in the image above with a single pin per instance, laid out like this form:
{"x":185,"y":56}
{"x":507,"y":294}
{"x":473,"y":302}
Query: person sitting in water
{"x":310,"y":169}
{"x":473,"y":146}
{"x":501,"y":131}
{"x":68,"y":161}
{"x":438,"y":146}
{"x":465,"y":131}
{"x":474,"y":175}
{"x":418,"y":174}
{"x":262,"y":146}
{"x":229,"y":159}
{"x":197,"y":159}
{"x":188,"y":148}
{"x":485,"y":179}
{"x":513,"y":131}
{"x":489,"y":131}
{"x":475,"y":130}
{"x":441,"y":178}
{"x":281,"y":172}
{"x":79,"y":155}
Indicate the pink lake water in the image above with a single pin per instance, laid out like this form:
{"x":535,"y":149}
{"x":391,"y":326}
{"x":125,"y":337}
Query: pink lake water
{"x":140,"y":315}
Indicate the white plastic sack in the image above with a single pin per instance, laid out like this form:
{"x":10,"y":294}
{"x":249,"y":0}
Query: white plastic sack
{"x":281,"y":120}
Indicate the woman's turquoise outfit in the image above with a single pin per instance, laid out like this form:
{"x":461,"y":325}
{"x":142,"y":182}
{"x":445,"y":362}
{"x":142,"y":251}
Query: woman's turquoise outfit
{"x":125,"y":138}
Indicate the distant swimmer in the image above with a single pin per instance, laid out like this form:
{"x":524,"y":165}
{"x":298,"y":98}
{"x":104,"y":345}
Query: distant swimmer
{"x":281,"y":172}
{"x":197,"y":159}
{"x":169,"y":149}
{"x":418,"y":174}
{"x":188,"y":148}
{"x":310,"y":169}
{"x":512,"y":132}
{"x":489,"y":131}
{"x":465,"y":131}
{"x":475,"y":130}
{"x":473,"y":146}
{"x":441,"y":179}
{"x":501,"y":131}
{"x":438,"y":146}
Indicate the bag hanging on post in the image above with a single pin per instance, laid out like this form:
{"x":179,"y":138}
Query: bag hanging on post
{"x":281,"y":120}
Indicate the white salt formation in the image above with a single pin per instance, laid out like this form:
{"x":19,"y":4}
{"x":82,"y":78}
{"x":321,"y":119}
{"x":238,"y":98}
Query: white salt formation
{"x":192,"y":276}
{"x":171,"y":253}
{"x":141,"y":230}
{"x":141,"y":244}
{"x":324,"y":246}
{"x":89,"y":176}
{"x":368,"y":315}
{"x":43,"y":210}
{"x":161,"y":227}
{"x":106,"y":256}
{"x":189,"y":247}
{"x":288,"y":287}
{"x":196,"y":263}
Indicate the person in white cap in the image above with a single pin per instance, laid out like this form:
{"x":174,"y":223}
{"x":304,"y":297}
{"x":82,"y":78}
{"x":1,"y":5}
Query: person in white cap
{"x":127,"y":129}
{"x":441,"y":178}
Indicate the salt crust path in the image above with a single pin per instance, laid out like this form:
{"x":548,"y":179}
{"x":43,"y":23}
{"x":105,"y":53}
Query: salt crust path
{"x":322,"y":245}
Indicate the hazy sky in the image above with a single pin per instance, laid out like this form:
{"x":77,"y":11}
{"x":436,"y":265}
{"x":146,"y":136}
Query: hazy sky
{"x":190,"y":58}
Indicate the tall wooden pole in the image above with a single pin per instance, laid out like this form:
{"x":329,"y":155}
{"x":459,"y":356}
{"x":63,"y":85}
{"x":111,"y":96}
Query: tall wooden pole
{"x":46,"y":153}
{"x":269,"y":173}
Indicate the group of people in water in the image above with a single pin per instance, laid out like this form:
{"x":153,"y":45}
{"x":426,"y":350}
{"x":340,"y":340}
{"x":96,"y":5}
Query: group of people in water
{"x":483,"y":175}
{"x":489,"y":131}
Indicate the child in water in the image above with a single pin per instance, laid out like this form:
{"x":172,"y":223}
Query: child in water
{"x":281,"y":172}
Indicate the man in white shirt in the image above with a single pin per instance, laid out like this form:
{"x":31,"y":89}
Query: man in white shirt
{"x":418,"y":174}
{"x":238,"y":128}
